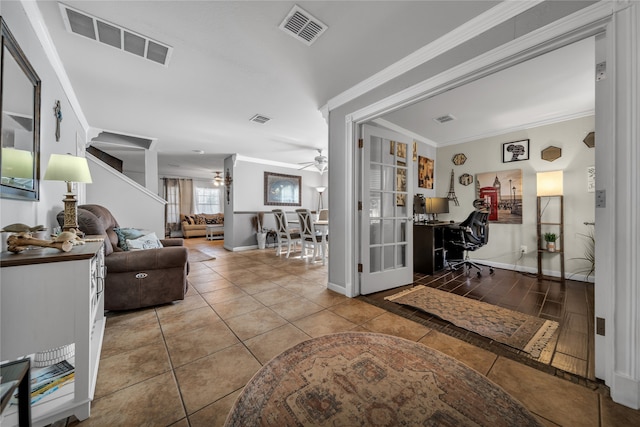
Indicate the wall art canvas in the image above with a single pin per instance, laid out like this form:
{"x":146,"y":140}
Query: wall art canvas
{"x":515,"y":151}
{"x":282,"y":190}
{"x":502,"y":190}
{"x":425,"y":172}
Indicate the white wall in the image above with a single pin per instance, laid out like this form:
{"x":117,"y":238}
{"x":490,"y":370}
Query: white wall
{"x":131,"y":204}
{"x":50,"y":204}
{"x":485,"y":155}
{"x":247,"y":198}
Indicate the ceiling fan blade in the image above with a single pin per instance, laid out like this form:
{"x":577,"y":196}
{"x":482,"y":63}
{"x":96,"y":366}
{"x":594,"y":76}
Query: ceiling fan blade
{"x":307,"y":166}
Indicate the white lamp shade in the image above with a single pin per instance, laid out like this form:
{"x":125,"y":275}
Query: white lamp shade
{"x":321,"y":189}
{"x":68,"y":168}
{"x":549,"y":183}
{"x":17,"y":163}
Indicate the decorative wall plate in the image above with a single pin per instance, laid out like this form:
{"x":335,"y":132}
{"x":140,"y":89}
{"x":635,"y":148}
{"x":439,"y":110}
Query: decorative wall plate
{"x":459,"y":159}
{"x":465,"y":179}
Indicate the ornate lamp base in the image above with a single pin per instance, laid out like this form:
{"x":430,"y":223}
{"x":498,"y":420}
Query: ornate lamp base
{"x":70,"y":212}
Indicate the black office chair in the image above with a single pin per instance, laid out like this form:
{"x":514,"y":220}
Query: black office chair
{"x":469,"y":235}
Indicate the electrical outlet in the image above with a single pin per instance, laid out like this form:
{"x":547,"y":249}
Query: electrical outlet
{"x":523,"y":249}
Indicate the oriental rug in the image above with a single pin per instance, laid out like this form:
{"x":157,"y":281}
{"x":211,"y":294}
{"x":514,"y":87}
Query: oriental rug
{"x":518,"y":330}
{"x":369,"y":379}
{"x":196,"y":255}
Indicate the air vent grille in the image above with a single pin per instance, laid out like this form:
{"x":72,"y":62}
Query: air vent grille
{"x":258,"y":118}
{"x":302,"y":26}
{"x":445,"y":118}
{"x":80,"y":23}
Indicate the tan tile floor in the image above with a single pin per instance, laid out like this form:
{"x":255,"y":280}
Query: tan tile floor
{"x":184,"y":364}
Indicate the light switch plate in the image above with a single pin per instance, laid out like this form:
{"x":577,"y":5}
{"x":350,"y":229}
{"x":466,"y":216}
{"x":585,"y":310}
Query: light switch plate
{"x":601,"y":199}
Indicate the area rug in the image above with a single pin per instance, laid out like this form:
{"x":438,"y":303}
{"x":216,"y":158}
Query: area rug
{"x":196,"y":255}
{"x":369,"y":379}
{"x":521,"y":331}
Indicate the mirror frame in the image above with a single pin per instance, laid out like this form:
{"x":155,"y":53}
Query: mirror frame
{"x":12,"y":47}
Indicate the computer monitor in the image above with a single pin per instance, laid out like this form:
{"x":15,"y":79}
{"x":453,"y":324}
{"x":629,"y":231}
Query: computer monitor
{"x":436,"y":205}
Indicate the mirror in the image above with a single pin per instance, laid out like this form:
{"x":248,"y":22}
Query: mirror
{"x":19,"y":122}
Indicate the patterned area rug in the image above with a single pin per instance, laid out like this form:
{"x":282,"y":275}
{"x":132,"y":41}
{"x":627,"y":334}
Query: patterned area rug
{"x":368,"y":379}
{"x":196,"y":255}
{"x":522,"y":331}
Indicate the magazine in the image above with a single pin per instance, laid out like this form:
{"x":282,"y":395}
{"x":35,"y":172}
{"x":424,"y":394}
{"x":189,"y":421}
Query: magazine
{"x":45,"y":381}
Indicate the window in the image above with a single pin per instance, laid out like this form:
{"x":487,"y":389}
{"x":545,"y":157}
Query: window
{"x":208,"y":198}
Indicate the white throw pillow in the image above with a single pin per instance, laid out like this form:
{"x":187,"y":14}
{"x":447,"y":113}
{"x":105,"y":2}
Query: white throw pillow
{"x":149,"y":241}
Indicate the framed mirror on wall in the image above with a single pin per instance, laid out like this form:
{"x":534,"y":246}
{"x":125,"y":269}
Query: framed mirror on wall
{"x":19,"y":123}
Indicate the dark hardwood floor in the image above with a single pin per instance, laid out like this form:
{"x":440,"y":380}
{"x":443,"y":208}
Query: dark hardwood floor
{"x":569,"y":354}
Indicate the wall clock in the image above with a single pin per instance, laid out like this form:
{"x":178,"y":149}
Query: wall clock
{"x":459,"y":159}
{"x":465,"y":179}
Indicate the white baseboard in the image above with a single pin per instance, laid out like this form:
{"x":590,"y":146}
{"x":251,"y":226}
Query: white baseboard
{"x":625,"y":391}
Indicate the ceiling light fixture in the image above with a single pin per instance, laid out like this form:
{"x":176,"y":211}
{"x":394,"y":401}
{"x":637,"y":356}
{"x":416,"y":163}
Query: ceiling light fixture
{"x":218,"y":180}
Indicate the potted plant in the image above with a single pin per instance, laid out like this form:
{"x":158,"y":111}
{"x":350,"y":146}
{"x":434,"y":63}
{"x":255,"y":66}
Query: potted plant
{"x":261,"y":233}
{"x":551,"y":238}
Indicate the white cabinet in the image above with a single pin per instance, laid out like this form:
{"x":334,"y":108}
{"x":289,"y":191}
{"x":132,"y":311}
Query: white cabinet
{"x":49,"y":299}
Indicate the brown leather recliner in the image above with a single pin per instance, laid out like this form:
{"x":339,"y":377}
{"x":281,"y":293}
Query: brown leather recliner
{"x":166,"y":268}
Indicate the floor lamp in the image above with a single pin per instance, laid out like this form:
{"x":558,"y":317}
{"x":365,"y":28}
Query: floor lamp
{"x":68,"y":168}
{"x":320,"y":191}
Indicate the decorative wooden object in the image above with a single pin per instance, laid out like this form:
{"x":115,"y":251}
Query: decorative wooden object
{"x":551,"y":153}
{"x":590,"y":140}
{"x":65,"y":242}
{"x":459,"y":159}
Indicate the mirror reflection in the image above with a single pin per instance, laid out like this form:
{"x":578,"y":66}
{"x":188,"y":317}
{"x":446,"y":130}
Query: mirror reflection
{"x":19,"y":122}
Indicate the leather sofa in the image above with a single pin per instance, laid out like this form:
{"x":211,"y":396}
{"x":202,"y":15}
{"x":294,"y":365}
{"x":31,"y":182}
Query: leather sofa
{"x":139,"y":278}
{"x":196,"y":225}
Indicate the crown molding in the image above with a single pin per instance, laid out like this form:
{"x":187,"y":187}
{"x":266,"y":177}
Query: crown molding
{"x":526,"y":126}
{"x":240,"y":157}
{"x":467,"y":31}
{"x":394,"y":127}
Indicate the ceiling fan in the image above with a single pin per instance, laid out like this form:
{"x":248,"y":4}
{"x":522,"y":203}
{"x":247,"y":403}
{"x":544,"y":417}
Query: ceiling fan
{"x":218,"y":180}
{"x":320,"y":162}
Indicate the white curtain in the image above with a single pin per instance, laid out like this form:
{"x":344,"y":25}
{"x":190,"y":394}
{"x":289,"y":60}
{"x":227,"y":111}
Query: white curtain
{"x":178,"y":193}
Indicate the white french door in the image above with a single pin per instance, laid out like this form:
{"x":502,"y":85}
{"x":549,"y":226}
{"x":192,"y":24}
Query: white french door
{"x":386,"y":222}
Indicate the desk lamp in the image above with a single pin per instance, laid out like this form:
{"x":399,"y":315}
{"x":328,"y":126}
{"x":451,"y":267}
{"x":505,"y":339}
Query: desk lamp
{"x":68,"y":168}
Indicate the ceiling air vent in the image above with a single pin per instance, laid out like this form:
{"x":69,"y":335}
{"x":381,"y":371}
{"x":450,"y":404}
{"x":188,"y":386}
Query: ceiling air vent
{"x":258,"y":118}
{"x":78,"y":22}
{"x":444,"y":119}
{"x":302,"y":26}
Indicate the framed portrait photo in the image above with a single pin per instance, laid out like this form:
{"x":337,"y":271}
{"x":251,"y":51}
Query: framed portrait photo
{"x":515,"y":151}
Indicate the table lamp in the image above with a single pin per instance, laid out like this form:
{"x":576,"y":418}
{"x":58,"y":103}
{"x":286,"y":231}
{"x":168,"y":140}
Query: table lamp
{"x":17,"y":163}
{"x":70,"y":169}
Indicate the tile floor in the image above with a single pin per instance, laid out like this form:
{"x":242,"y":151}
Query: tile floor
{"x":184,"y":364}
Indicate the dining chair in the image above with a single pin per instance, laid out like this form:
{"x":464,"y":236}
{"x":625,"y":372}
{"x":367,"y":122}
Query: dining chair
{"x":311,"y":238}
{"x":284,"y":234}
{"x":323,"y":215}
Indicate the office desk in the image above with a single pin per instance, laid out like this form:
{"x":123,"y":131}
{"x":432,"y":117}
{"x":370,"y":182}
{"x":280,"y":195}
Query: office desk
{"x":429,"y":249}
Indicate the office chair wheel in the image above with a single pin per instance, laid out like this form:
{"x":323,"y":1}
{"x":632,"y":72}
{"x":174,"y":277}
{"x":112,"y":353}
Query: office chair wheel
{"x":479,"y":274}
{"x":490,"y":270}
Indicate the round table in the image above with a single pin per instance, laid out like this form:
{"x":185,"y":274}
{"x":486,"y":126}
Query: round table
{"x":368,"y":379}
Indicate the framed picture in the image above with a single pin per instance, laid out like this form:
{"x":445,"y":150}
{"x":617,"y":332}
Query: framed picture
{"x":282,"y":190}
{"x":502,"y":190}
{"x":401,"y":184}
{"x":402,"y":150}
{"x":425,"y":172}
{"x":515,"y":151}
